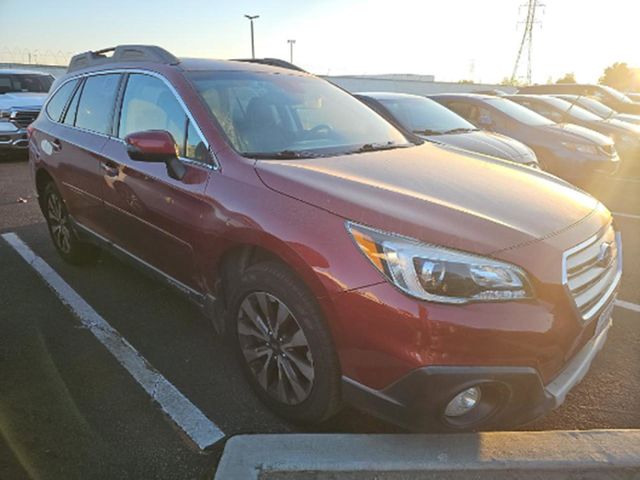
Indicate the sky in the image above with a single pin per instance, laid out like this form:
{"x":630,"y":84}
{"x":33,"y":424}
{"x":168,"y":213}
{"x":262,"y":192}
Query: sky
{"x":451,"y":39}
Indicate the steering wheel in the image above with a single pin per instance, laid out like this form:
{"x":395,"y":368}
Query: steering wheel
{"x":323,"y":127}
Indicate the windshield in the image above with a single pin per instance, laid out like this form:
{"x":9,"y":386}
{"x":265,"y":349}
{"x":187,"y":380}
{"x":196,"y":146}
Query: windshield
{"x":25,"y":82}
{"x":621,"y":97}
{"x":518,"y":112}
{"x":573,"y":110}
{"x":274,"y":115}
{"x":422,"y":115}
{"x":594,"y":106}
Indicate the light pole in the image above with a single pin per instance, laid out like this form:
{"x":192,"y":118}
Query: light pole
{"x":291,"y":43}
{"x":251,"y":19}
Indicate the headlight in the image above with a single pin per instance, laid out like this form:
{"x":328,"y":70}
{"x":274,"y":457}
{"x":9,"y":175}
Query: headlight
{"x":581,"y":148}
{"x":5,"y":115}
{"x":439,"y":274}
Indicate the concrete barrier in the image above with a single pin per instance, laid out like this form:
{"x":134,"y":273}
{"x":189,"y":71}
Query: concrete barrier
{"x":584,"y":455}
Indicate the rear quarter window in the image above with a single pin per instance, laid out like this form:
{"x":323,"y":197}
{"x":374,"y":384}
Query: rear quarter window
{"x":56,"y":105}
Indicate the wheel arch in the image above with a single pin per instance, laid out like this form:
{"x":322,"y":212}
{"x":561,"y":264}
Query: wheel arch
{"x":42,"y":178}
{"x":237,"y":257}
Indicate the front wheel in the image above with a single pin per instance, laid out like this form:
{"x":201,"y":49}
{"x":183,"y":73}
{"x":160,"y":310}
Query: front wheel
{"x":64,"y":237}
{"x":284,"y":345}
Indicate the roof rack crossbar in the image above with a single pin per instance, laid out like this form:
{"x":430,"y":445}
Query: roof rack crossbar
{"x":122,"y":53}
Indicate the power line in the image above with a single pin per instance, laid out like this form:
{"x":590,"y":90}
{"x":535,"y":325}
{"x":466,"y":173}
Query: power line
{"x":526,"y":42}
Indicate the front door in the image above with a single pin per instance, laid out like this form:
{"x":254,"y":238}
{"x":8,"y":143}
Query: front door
{"x":153,"y":216}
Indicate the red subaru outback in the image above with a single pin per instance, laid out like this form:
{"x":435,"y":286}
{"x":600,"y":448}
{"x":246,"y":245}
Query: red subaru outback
{"x":345,"y":263}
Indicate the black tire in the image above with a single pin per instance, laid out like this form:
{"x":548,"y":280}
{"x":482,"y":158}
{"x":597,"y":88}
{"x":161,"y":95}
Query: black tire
{"x":65,"y":238}
{"x":323,"y":397}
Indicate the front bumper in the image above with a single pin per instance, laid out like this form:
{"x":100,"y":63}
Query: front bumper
{"x":512,"y":396}
{"x":12,"y":137}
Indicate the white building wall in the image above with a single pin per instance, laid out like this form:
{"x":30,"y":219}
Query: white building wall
{"x":417,"y":87}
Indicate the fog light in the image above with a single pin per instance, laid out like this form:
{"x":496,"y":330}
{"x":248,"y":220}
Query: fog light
{"x":463,"y":403}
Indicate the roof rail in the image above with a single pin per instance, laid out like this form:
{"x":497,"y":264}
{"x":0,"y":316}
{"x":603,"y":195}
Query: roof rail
{"x":122,"y":53}
{"x":274,"y":62}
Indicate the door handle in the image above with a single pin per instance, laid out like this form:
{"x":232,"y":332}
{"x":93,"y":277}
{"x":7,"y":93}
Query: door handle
{"x":56,"y":144}
{"x":110,"y":168}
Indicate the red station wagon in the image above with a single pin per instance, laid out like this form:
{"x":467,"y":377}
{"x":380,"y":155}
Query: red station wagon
{"x":345,"y":263}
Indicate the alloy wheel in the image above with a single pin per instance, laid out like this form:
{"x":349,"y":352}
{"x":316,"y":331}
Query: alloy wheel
{"x":59,"y":223}
{"x":275,"y":348}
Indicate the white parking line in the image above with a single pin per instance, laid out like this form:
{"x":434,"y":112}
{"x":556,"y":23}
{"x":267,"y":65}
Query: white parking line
{"x":626,"y":215}
{"x":628,"y":306}
{"x":185,"y":414}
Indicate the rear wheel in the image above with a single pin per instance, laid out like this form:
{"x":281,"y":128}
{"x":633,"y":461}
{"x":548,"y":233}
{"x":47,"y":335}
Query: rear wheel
{"x":284,"y":345}
{"x":64,"y":237}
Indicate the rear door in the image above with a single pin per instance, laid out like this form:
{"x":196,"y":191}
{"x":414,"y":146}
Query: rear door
{"x":152,"y":216}
{"x":77,"y":140}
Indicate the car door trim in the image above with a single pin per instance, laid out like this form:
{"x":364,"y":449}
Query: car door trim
{"x":148,"y":224}
{"x":193,"y":294}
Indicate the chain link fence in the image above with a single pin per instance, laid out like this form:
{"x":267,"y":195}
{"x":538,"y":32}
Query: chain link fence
{"x":34,"y":56}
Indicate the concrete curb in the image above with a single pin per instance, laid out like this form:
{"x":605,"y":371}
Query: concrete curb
{"x":594,"y":454}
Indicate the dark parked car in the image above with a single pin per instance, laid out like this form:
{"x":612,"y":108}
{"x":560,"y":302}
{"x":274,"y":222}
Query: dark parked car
{"x":430,"y":120}
{"x":574,"y":153}
{"x":342,"y":262}
{"x":607,"y":95}
{"x":22,"y":93}
{"x":625,"y":135}
{"x":599,"y":108}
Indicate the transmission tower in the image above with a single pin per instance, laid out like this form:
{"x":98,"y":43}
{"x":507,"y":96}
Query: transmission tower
{"x":532,"y":7}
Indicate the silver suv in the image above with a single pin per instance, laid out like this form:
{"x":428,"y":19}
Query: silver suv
{"x":22,"y":93}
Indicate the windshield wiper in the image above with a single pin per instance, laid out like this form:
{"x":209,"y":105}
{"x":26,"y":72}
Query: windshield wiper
{"x":375,"y":147}
{"x":427,"y":132}
{"x":461,"y":130}
{"x":282,"y":155}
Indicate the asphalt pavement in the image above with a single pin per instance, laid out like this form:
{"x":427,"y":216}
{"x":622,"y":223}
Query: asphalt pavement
{"x":69,"y":409}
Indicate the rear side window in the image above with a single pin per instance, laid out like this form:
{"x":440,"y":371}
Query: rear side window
{"x":148,"y":104}
{"x":60,"y":99}
{"x":95,"y":107}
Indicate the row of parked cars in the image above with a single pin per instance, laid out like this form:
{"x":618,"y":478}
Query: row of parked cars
{"x":544,"y":137}
{"x":549,"y":131}
{"x":346,"y":255}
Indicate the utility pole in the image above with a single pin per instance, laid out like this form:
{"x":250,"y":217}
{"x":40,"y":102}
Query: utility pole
{"x":251,"y":19}
{"x":527,"y":38}
{"x":291,"y":43}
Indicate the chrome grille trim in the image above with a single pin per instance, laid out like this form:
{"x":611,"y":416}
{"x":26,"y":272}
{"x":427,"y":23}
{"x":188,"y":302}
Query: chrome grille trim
{"x":23,"y":118}
{"x":589,"y":284}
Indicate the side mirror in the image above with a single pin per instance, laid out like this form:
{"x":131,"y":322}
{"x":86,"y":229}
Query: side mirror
{"x":156,"y":146}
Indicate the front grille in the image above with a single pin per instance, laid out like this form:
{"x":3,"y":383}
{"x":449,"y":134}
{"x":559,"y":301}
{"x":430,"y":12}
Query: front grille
{"x":592,"y":272}
{"x":23,"y":118}
{"x":609,"y":150}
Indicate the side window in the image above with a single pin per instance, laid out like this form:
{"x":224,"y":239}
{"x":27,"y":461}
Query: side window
{"x":96,"y":102}
{"x":59,"y":100}
{"x":72,"y":109}
{"x":195,"y":146}
{"x":148,"y":104}
{"x":466,"y":111}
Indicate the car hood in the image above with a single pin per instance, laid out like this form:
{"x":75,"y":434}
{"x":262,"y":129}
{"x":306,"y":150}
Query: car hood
{"x":633,"y":108}
{"x":493,"y":144}
{"x":627,"y":117}
{"x":435,"y":195}
{"x":26,"y":100}
{"x":575,"y":133}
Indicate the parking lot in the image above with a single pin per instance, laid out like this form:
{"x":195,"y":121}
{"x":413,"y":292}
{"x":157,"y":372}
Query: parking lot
{"x":70,"y":409}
